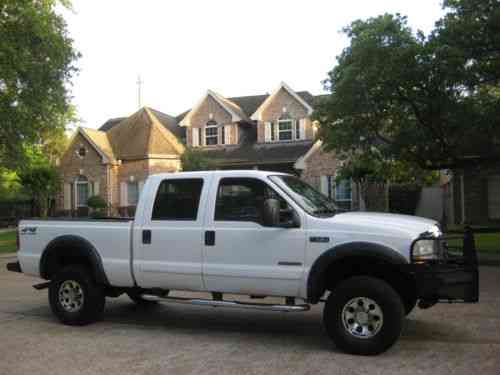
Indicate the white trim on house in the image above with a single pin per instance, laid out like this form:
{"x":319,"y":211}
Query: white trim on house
{"x":186,"y":121}
{"x":195,"y":137}
{"x":301,"y":162}
{"x":257,"y":115}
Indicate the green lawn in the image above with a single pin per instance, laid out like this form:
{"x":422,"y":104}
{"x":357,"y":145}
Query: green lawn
{"x":8,"y":242}
{"x":485,"y":242}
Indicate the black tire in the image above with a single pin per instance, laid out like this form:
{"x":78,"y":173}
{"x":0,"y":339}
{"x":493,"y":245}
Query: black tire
{"x":92,"y":303}
{"x":136,"y":297}
{"x":388,"y":302}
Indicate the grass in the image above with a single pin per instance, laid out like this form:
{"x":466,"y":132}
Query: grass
{"x":485,"y":242}
{"x":8,"y":242}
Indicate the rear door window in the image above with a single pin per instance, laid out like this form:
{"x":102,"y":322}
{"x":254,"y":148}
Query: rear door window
{"x":178,"y":199}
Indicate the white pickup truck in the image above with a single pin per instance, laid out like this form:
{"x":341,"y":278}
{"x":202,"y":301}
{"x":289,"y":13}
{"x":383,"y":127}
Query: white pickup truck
{"x":257,"y":234}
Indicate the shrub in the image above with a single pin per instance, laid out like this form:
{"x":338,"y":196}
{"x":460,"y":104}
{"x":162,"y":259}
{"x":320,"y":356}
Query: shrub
{"x":98,"y":205}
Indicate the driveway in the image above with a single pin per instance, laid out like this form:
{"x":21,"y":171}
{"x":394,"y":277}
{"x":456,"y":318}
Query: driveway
{"x":182,"y":339}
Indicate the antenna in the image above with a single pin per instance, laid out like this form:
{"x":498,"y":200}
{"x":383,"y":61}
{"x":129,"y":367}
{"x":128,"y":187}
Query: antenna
{"x":139,"y":86}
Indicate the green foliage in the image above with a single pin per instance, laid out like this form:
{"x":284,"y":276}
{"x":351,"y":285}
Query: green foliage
{"x":425,"y":101}
{"x":36,"y":64}
{"x":41,"y":182}
{"x":10,"y":187}
{"x":96,"y":202}
{"x":194,"y":160}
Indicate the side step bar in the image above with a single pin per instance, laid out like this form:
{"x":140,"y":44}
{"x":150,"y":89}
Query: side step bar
{"x":233,"y":304}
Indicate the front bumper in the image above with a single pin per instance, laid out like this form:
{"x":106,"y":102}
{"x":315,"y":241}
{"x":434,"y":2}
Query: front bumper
{"x":455,"y":278}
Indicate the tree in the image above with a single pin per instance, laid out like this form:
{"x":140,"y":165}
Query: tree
{"x":415,"y":98}
{"x":36,"y":64}
{"x":194,"y":160}
{"x":41,"y":182}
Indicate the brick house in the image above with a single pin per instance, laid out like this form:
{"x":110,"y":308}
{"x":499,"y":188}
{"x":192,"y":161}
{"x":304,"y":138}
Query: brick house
{"x":272,"y":131}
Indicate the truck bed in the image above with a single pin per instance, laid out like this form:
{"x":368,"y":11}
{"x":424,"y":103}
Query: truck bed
{"x":110,"y":237}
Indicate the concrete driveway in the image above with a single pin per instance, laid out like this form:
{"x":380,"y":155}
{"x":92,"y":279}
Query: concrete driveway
{"x":181,"y":339}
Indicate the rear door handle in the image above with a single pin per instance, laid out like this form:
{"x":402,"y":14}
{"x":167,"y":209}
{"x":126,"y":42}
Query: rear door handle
{"x":146,"y":236}
{"x":209,"y":238}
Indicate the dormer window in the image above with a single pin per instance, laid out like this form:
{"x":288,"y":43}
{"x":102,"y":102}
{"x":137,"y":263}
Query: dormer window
{"x":285,"y":130}
{"x":211,"y":133}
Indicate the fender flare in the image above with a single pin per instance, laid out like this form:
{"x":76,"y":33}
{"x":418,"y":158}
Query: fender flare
{"x":73,"y":246}
{"x":315,"y":280}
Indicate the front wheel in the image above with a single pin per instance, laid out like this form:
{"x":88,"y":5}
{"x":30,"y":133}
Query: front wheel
{"x":75,"y":298}
{"x":363,"y":315}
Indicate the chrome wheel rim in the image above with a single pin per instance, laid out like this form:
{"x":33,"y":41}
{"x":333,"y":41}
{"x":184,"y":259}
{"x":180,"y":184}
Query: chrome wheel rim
{"x":362,"y":317}
{"x":71,"y":296}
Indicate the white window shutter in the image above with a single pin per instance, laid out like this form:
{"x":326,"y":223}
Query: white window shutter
{"x":302,"y":128}
{"x":95,"y":188}
{"x":195,"y":135}
{"x":67,"y":196}
{"x":324,"y":185}
{"x":123,"y":194}
{"x":204,"y":136}
{"x":227,"y":134}
{"x":267,"y":132}
{"x":141,"y":185}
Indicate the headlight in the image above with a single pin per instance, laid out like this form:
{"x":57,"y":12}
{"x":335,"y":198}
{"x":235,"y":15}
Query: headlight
{"x":424,"y":249}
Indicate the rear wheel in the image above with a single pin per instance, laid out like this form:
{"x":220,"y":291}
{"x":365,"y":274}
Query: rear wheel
{"x":75,"y":298}
{"x":363,"y":315}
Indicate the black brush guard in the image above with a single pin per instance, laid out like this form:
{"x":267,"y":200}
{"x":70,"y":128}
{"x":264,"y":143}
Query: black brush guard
{"x":454,"y":278}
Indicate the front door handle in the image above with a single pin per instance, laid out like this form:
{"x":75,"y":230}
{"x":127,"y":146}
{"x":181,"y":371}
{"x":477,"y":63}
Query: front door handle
{"x":146,"y":236}
{"x":210,"y":238}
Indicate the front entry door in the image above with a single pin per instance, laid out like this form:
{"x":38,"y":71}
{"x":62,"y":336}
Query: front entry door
{"x":240,"y":254}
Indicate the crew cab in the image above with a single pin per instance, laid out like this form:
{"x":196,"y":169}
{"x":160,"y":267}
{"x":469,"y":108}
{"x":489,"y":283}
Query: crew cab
{"x":251,"y":233}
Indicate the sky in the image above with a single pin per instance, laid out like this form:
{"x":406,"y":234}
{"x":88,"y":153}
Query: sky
{"x":182,"y":48}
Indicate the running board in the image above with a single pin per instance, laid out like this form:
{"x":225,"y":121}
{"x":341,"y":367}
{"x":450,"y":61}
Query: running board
{"x":233,"y":304}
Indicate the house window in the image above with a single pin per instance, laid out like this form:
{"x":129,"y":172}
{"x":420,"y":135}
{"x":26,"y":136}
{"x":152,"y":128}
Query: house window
{"x":343,"y":193}
{"x":285,"y":130}
{"x":132,"y":193}
{"x":82,"y":191}
{"x":211,"y":133}
{"x":81,"y":151}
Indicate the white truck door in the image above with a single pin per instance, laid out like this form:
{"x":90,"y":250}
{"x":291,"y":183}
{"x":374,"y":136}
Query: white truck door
{"x":240,"y":254}
{"x":168,"y":241}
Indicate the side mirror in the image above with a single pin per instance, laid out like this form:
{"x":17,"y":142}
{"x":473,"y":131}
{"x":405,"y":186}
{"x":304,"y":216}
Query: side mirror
{"x":271,"y":212}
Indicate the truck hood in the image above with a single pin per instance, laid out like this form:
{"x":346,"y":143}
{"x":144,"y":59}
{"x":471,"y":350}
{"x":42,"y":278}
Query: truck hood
{"x":412,"y":226}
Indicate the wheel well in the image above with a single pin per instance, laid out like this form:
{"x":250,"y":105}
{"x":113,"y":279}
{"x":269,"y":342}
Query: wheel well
{"x":339,"y":270}
{"x":66,"y":251}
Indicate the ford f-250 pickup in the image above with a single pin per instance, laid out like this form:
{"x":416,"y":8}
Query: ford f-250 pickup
{"x":251,"y":233}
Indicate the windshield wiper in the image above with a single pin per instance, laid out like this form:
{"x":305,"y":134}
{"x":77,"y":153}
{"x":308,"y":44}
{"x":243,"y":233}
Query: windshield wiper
{"x":325,"y":210}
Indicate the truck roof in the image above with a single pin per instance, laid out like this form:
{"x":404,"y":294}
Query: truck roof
{"x":224,"y":173}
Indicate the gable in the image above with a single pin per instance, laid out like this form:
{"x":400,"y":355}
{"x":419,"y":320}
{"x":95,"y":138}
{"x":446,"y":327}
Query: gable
{"x":71,"y":157}
{"x":212,"y":102}
{"x":281,"y":100}
{"x":209,"y":105}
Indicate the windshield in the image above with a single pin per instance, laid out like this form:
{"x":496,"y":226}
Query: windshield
{"x":306,"y":196}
